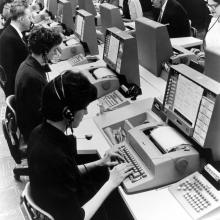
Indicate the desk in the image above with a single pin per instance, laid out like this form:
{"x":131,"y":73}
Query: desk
{"x":148,"y":91}
{"x":151,"y":205}
{"x":156,"y":82}
{"x":155,"y":204}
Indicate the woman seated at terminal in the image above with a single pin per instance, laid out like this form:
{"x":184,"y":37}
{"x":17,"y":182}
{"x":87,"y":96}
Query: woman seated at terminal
{"x":56,"y":180}
{"x":31,"y":77}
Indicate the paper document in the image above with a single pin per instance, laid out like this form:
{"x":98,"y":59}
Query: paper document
{"x":168,"y":138}
{"x":103,"y":72}
{"x":130,"y":24}
{"x":72,"y":42}
{"x":59,"y":67}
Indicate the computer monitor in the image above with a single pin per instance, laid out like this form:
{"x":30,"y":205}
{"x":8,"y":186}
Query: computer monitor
{"x":154,"y":45}
{"x":120,"y":55}
{"x":86,"y":32}
{"x":212,"y":64}
{"x":52,"y":6}
{"x":110,"y":17}
{"x":192,"y":103}
{"x":64,"y":13}
{"x":88,"y":6}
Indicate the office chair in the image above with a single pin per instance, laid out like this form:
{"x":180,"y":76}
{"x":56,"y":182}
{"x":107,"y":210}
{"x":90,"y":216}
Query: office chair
{"x":3,"y":78}
{"x":34,"y":212}
{"x":14,"y":140}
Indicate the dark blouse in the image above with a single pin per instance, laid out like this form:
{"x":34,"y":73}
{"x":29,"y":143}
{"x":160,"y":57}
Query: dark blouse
{"x":29,"y":84}
{"x":54,"y":176}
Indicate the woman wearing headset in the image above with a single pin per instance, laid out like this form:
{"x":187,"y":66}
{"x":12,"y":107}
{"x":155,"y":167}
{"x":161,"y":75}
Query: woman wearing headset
{"x":31,"y":77}
{"x":56,"y":180}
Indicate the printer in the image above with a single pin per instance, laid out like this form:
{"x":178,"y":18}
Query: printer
{"x":163,"y":154}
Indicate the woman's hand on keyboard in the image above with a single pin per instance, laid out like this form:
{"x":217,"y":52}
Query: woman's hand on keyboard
{"x":119,"y":173}
{"x":111,"y":157}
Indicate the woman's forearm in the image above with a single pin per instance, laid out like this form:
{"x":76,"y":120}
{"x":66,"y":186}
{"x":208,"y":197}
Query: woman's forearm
{"x":84,"y":168}
{"x":93,"y":204}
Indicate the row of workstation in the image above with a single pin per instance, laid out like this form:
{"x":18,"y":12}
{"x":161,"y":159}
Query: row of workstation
{"x":152,"y":204}
{"x":167,"y":150}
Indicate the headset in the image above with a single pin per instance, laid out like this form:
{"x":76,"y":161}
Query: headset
{"x":67,"y":113}
{"x":46,"y":66}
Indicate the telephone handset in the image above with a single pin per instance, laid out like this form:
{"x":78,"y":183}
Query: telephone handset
{"x":197,"y":194}
{"x":130,"y":91}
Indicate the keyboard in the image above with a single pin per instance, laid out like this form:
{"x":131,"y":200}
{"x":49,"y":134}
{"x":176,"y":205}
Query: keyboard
{"x":113,"y":100}
{"x":78,"y":59}
{"x":138,"y":172}
{"x":137,"y":180}
{"x":196,"y":195}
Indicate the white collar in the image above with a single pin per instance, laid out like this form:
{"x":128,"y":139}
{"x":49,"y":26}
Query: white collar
{"x":17,"y":29}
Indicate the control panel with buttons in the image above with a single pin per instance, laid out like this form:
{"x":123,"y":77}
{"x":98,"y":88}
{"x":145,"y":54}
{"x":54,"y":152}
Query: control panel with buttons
{"x":196,"y":195}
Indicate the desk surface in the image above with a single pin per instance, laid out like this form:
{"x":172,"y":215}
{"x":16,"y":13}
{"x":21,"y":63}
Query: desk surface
{"x":155,"y":204}
{"x":150,"y":205}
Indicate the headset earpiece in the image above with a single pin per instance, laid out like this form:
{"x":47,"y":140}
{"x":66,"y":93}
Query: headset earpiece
{"x":68,"y":114}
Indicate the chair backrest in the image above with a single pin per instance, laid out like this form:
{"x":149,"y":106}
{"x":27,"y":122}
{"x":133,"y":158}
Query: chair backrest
{"x":11,"y":131}
{"x":32,"y":209}
{"x":3,"y":78}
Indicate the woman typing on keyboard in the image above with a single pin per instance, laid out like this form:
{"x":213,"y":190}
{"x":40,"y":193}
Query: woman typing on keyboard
{"x":58,"y":184}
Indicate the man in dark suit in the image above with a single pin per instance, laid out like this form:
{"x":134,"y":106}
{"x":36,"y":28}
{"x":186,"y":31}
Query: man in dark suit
{"x":174,"y":16}
{"x":13,"y":49}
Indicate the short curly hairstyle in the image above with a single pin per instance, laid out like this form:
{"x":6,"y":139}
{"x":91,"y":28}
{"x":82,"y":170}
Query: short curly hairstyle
{"x":41,"y":40}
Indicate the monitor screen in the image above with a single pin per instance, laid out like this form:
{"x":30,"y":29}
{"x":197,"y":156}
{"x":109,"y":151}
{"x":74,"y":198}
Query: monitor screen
{"x":112,"y":49}
{"x":120,"y":55}
{"x":79,"y":25}
{"x":189,"y":101}
{"x":86,"y":32}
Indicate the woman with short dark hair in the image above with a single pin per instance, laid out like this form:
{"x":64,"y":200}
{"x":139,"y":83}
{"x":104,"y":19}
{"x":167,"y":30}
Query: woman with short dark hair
{"x":31,"y":77}
{"x":56,"y":180}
